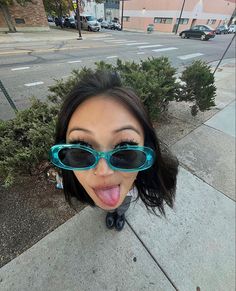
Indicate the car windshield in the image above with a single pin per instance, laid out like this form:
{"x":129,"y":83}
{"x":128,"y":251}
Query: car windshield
{"x":90,"y":18}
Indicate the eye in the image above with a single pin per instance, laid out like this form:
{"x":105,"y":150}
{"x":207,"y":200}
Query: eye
{"x":126,"y":143}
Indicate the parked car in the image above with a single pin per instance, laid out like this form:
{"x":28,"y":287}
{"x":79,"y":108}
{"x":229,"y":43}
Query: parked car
{"x":232,"y":28}
{"x":59,"y":21}
{"x":50,"y":18}
{"x":89,"y":22}
{"x":222,"y":29}
{"x":70,"y":22}
{"x":204,"y":32}
{"x":114,"y":25}
{"x":104,"y":24}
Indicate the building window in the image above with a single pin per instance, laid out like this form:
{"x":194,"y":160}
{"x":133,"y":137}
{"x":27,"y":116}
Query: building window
{"x":211,"y":21}
{"x":163,"y":20}
{"x":126,"y":18}
{"x":182,"y":20}
{"x":19,"y":20}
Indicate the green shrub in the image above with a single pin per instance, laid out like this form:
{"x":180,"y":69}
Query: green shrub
{"x":153,"y":79}
{"x":25,"y":140}
{"x":198,"y":86}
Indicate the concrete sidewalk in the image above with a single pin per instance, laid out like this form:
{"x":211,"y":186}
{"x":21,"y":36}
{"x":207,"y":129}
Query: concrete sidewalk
{"x":193,"y":247}
{"x":53,"y":34}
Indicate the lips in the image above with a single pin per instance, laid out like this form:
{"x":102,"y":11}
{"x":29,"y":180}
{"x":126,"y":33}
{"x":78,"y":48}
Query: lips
{"x":108,"y":195}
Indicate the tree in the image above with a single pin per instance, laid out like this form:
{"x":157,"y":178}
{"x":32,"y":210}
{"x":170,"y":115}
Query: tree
{"x":57,"y":7}
{"x":4,"y":4}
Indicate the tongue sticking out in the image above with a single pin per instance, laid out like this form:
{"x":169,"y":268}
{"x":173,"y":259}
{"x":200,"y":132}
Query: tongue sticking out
{"x":109,"y":196}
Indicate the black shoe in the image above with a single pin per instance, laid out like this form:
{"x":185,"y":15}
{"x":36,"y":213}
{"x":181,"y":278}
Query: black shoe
{"x":110,"y":219}
{"x":120,"y":222}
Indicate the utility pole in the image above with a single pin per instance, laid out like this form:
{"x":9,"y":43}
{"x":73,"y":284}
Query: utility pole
{"x":78,"y":20}
{"x":177,"y":27}
{"x":122,"y":14}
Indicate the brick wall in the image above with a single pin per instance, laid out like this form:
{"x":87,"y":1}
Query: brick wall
{"x":30,"y":16}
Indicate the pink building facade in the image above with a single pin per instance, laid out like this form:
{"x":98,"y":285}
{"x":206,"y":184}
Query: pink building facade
{"x":164,"y":14}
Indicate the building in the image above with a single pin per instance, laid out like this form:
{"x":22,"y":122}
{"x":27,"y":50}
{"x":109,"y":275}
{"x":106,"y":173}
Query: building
{"x":92,"y":8}
{"x":111,"y":8}
{"x":31,"y":17}
{"x":164,"y":14}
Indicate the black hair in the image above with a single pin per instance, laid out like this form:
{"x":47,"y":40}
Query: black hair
{"x":156,"y":185}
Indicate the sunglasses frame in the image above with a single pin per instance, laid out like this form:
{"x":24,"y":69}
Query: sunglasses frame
{"x":54,"y":157}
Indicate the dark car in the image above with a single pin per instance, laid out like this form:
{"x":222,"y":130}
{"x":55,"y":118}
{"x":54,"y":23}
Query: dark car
{"x":204,"y":32}
{"x":70,"y":22}
{"x":222,"y":29}
{"x":59,"y":21}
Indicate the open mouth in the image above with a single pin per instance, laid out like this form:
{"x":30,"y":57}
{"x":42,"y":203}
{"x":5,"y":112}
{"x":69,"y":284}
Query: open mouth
{"x":108,"y":195}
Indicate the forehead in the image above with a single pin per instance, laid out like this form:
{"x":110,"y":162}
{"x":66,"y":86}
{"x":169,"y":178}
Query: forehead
{"x":99,"y":111}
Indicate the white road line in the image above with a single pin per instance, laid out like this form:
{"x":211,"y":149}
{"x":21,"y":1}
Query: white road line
{"x":34,"y":84}
{"x":127,"y":41}
{"x":72,"y":62}
{"x":115,"y":40}
{"x":140,"y":53}
{"x":137,"y":43}
{"x":102,"y":38}
{"x":21,"y":68}
{"x":112,"y":57}
{"x":119,"y":42}
{"x":185,"y":57}
{"x":165,"y":49}
{"x":148,"y":46}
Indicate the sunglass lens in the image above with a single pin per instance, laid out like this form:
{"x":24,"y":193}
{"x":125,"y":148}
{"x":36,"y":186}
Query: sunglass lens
{"x":128,"y":159}
{"x":76,"y":158}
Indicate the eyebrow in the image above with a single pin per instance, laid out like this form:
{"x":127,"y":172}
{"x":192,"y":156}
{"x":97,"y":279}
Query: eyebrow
{"x":128,"y":127}
{"x":80,"y":129}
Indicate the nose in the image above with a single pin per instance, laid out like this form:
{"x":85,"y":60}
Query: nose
{"x":102,"y":168}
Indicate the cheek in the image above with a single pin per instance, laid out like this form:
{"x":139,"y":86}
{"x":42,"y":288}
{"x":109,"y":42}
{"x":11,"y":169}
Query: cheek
{"x":128,"y":178}
{"x":82,"y":177}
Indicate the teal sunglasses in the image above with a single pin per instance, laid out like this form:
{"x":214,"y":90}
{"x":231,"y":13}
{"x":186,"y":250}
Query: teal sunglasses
{"x":79,"y":157}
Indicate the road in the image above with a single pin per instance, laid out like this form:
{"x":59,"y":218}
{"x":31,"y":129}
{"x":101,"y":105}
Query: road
{"x":28,"y":69}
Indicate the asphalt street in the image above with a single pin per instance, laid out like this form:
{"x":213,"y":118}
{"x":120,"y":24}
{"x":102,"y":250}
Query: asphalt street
{"x":27,"y":69}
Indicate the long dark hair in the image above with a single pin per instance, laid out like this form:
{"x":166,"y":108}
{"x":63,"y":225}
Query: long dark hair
{"x":156,"y":185}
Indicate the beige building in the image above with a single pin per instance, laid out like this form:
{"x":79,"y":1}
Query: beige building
{"x":164,"y":14}
{"x":30,"y":17}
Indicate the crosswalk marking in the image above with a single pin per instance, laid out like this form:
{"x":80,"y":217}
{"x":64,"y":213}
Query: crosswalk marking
{"x":102,"y":38}
{"x":122,"y":41}
{"x":165,"y":49}
{"x":112,"y":57}
{"x":34,"y":84}
{"x":149,"y":46}
{"x":114,"y":40}
{"x":190,"y":56}
{"x":137,"y":43}
{"x":21,"y":68}
{"x":72,"y":62}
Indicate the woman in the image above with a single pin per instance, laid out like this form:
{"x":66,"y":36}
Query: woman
{"x":106,"y":147}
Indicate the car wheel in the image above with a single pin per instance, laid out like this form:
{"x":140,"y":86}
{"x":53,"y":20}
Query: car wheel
{"x":203,"y":37}
{"x":183,"y":35}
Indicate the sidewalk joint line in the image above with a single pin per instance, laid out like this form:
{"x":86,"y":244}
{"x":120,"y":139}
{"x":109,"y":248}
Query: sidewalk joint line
{"x":164,"y":272}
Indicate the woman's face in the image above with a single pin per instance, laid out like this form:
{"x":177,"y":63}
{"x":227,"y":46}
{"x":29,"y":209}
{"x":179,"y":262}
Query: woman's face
{"x":103,"y":123}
